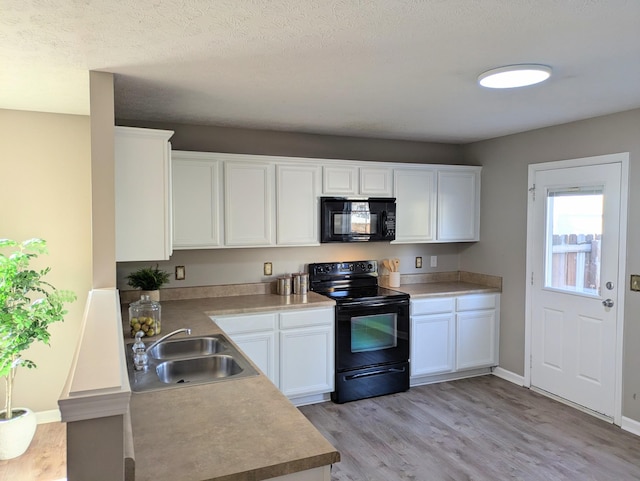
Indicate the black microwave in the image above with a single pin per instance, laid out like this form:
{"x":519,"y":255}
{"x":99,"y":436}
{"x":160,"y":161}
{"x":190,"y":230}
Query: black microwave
{"x":357,"y":220}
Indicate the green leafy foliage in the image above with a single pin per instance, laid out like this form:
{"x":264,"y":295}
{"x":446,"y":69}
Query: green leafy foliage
{"x":28,"y":304}
{"x":148,"y":278}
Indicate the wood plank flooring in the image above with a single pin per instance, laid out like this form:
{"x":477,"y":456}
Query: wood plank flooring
{"x":479,"y":429}
{"x":45,"y":460}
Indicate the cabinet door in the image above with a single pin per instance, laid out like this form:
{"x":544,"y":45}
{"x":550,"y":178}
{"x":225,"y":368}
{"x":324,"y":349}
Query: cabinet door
{"x":248,"y":203}
{"x":459,"y":205}
{"x":197,"y":203}
{"x":142,"y":194}
{"x":476,"y":339}
{"x":297,"y":189}
{"x":339,"y":180}
{"x":415,"y":191}
{"x":432,"y":344}
{"x":306,"y":361}
{"x":261,"y":348}
{"x":376,"y":181}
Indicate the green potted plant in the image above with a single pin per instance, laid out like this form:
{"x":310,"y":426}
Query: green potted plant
{"x":149,"y":280}
{"x":28,"y":304}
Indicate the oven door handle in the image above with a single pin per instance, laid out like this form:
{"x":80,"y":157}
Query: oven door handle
{"x":360,"y":304}
{"x":375,"y":373}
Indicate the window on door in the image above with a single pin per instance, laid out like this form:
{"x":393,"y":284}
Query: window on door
{"x":573,"y":239}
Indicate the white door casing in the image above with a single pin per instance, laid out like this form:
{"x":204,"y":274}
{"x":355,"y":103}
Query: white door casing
{"x":573,"y":342}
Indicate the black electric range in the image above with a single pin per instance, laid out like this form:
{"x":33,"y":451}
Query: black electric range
{"x":371,"y":332}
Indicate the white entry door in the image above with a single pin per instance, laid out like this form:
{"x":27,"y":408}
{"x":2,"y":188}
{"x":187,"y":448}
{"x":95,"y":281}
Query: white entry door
{"x":573,"y":247}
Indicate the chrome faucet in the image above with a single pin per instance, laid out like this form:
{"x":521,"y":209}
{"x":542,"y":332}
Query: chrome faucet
{"x":187,"y":331}
{"x":140,"y":356}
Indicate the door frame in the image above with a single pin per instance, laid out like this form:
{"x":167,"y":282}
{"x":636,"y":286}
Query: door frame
{"x":623,"y":159}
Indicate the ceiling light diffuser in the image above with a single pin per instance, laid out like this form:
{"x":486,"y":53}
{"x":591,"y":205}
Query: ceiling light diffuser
{"x":513,"y":76}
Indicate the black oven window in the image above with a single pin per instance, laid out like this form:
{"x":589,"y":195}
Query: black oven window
{"x":374,"y":332}
{"x":355,"y":222}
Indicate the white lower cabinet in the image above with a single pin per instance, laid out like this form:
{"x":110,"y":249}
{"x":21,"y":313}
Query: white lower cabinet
{"x":433,"y":331}
{"x":477,"y":318}
{"x":452,"y":334}
{"x":294,"y":348}
{"x":255,"y":334}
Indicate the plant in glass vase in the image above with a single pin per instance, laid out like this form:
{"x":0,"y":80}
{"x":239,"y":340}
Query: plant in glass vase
{"x":28,"y":304}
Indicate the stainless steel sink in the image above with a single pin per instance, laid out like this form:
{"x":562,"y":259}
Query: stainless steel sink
{"x":186,"y":347}
{"x":198,"y":369}
{"x":189,"y":361}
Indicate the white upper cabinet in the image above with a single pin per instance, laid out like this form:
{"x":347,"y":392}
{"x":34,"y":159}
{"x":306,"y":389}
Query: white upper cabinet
{"x":338,"y":180}
{"x":197,"y":201}
{"x":237,"y":200}
{"x":297,"y":188}
{"x":356,"y":180}
{"x":376,"y":181}
{"x":415,"y":191}
{"x":248,"y":203}
{"x":142,"y":194}
{"x":459,"y":204}
{"x":437,"y":204}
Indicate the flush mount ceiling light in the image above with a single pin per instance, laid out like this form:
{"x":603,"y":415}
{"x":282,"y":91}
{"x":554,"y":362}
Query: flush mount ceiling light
{"x":513,"y":76}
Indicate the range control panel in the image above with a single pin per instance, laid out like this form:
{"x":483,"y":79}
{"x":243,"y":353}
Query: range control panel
{"x":337,"y":269}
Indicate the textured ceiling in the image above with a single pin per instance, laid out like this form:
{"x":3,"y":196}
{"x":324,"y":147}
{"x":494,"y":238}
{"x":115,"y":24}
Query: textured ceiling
{"x":402,"y":69}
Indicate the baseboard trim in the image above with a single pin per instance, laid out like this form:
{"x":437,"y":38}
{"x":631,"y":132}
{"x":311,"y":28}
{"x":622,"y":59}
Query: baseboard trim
{"x":630,"y":425}
{"x":52,"y":416}
{"x":508,"y":376}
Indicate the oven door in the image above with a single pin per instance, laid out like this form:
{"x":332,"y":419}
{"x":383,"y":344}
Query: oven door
{"x":371,"y":333}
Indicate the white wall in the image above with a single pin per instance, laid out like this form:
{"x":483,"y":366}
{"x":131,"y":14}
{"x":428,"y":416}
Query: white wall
{"x":46,"y":192}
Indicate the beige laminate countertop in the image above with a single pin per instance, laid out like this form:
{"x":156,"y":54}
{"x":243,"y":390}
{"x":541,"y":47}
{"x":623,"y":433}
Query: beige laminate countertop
{"x":444,"y":289}
{"x":234,"y":430}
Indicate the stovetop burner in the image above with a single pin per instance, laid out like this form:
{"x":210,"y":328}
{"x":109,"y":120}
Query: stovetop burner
{"x":350,"y":282}
{"x":365,"y":294}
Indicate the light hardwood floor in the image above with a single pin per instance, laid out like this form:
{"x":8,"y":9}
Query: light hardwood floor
{"x":45,"y":460}
{"x":478,"y":429}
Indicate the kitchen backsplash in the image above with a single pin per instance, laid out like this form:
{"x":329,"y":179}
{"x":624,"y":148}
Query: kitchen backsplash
{"x":241,"y":266}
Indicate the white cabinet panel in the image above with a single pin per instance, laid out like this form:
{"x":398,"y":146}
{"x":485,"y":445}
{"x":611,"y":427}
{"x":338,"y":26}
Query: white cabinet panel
{"x":297,"y":187}
{"x":432,"y":344}
{"x":248,"y":203}
{"x":376,"y":182}
{"x":339,"y":180}
{"x":415,"y":191}
{"x":476,"y":339}
{"x":432,"y":306}
{"x":197,"y":202}
{"x":475,"y":302}
{"x":247,"y":323}
{"x":142,"y":194}
{"x":458,"y":205}
{"x":357,"y":180}
{"x":306,"y":357}
{"x":255,"y":335}
{"x":260,"y":347}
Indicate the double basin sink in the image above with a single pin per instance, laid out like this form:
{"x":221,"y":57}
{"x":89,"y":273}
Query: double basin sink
{"x":189,"y":361}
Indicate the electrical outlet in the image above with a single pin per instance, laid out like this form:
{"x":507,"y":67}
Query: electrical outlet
{"x":635,"y":282}
{"x":434,"y":261}
{"x":180,"y":273}
{"x":418,"y":262}
{"x":268,"y":269}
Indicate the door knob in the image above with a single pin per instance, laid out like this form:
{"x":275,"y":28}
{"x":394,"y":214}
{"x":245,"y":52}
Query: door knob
{"x":607,"y":303}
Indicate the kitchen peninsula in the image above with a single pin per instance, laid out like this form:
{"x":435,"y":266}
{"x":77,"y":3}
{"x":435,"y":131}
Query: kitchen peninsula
{"x":234,"y":430}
